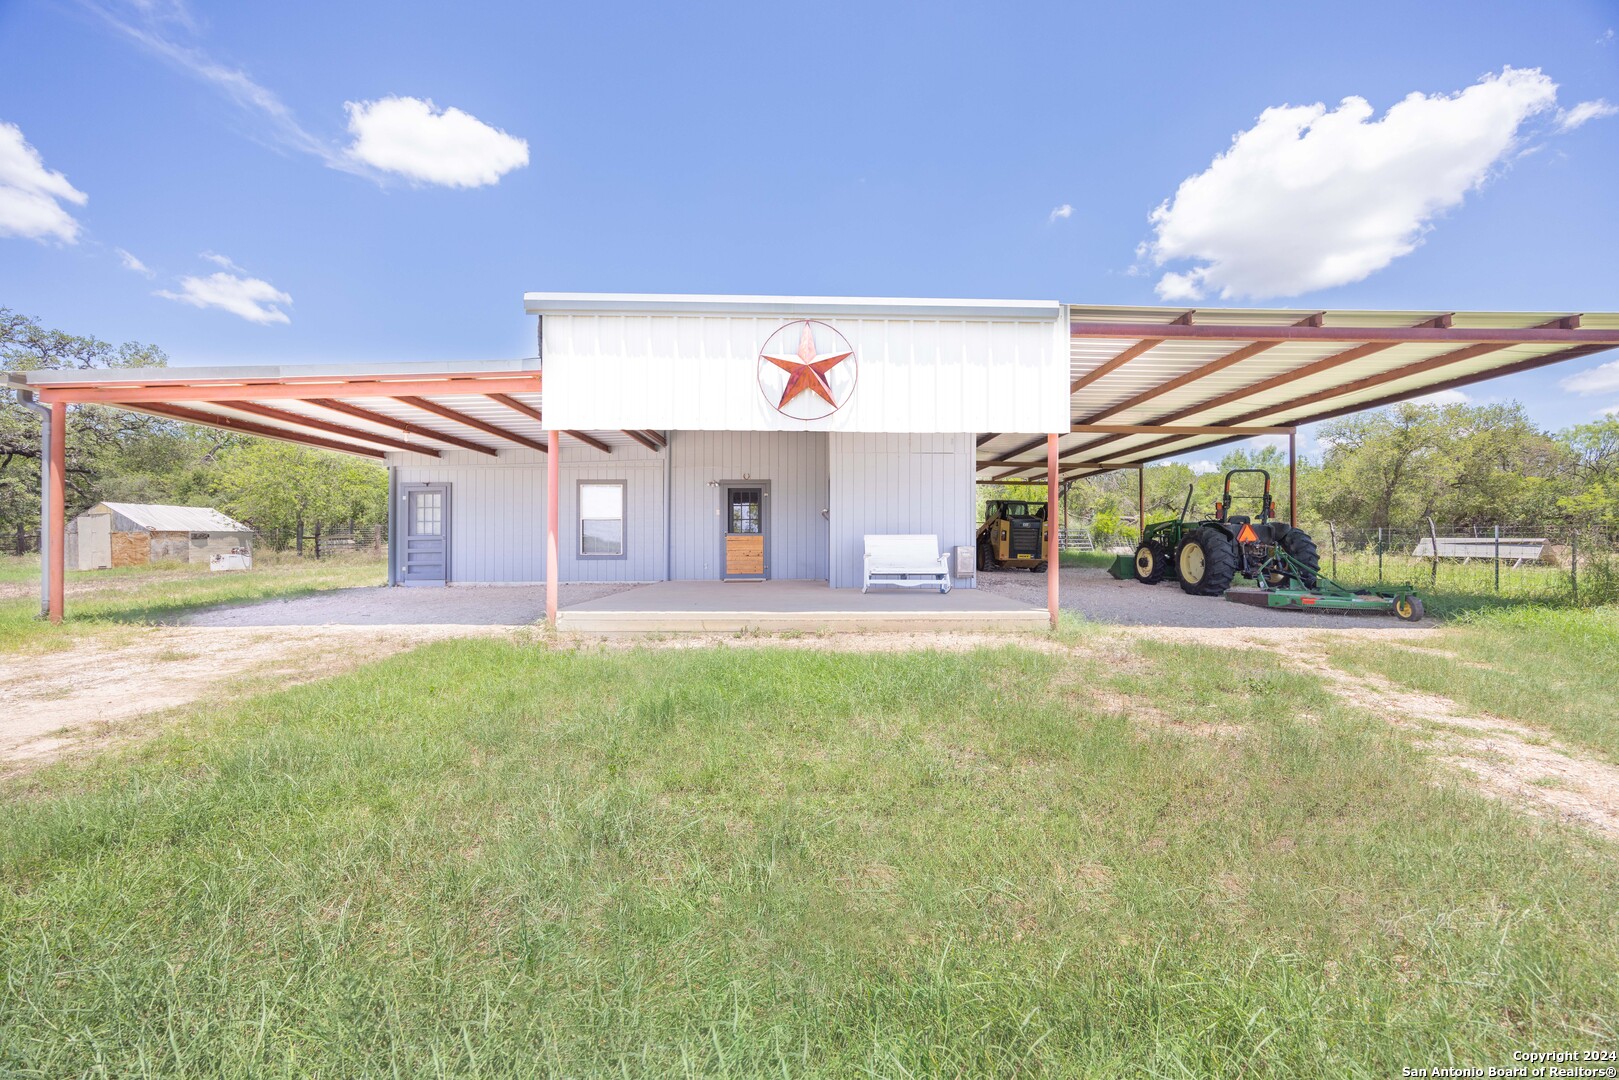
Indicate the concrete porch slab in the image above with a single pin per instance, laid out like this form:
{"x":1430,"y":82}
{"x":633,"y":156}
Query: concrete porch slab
{"x":772,"y":606}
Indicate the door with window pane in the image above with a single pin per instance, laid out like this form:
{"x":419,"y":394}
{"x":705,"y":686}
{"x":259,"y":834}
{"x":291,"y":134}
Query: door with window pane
{"x":744,"y":513}
{"x":424,"y":542}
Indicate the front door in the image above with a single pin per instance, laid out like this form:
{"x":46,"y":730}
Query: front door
{"x":744,"y":533}
{"x":424,"y":550}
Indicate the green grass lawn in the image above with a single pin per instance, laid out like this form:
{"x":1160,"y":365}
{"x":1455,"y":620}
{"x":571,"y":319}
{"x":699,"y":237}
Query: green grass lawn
{"x":493,"y":858}
{"x":1553,"y":668}
{"x":161,"y":591}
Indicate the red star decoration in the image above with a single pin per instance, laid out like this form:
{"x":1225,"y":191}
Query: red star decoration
{"x":808,"y":372}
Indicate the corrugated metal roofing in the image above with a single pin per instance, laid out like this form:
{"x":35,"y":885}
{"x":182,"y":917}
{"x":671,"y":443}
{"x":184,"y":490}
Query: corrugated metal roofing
{"x":1181,"y":368}
{"x":160,"y":518}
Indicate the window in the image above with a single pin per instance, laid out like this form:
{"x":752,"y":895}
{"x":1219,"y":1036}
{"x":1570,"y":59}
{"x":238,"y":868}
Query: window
{"x":601,"y":518}
{"x":429,"y":510}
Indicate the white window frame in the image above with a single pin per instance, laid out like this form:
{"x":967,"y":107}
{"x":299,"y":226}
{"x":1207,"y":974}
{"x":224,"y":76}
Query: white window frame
{"x":623,"y":518}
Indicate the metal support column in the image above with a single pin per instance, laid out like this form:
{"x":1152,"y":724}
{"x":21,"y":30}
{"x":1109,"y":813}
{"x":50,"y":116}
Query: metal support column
{"x":552,"y":551}
{"x":393,"y":525}
{"x":1053,"y":555}
{"x":56,"y":519}
{"x":1293,"y":478}
{"x":1141,"y":502}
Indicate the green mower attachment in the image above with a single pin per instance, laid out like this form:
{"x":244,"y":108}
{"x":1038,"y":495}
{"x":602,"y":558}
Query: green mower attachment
{"x":1400,"y":601}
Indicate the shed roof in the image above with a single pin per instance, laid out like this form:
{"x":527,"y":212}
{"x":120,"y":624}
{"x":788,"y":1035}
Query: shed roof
{"x":1154,"y":382}
{"x":160,"y":518}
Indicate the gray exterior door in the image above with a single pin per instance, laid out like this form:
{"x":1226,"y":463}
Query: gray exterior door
{"x":424,"y":551}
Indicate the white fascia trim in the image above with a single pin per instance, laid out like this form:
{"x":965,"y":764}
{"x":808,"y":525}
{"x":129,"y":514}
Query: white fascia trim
{"x":181,"y":374}
{"x":542,"y":303}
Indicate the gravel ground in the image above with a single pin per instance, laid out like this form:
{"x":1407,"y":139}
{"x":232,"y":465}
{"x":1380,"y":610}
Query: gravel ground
{"x":1099,"y":597}
{"x":467,"y":605}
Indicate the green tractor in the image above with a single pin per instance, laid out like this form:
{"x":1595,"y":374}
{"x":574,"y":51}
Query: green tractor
{"x":1205,"y":556}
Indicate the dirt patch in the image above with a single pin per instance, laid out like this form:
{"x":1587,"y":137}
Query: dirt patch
{"x":93,"y":693}
{"x":1507,"y":760}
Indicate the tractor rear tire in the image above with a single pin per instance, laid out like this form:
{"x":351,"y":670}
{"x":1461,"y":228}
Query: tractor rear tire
{"x":1152,"y":563}
{"x":985,"y":563}
{"x":1206,"y":562}
{"x":1302,"y":550}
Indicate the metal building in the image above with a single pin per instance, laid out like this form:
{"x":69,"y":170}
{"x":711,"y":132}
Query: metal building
{"x":113,"y":534}
{"x":670,"y":438}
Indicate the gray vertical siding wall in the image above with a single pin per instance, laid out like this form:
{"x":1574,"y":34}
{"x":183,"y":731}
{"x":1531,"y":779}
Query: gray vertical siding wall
{"x":795,"y":463}
{"x":898,"y":484}
{"x":498,"y":511}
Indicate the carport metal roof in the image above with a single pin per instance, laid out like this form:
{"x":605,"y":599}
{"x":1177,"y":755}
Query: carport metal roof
{"x":423,"y":408}
{"x":1151,"y":383}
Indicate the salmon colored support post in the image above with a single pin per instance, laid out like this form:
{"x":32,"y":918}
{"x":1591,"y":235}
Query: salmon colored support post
{"x":1053,"y":547}
{"x":553,"y":440}
{"x":57,"y":523}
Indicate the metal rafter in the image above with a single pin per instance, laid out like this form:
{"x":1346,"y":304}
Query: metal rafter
{"x":471,"y":421}
{"x":1560,"y":330}
{"x":643,"y":440}
{"x":248,"y":427}
{"x":300,"y":389}
{"x":400,"y":425}
{"x":534,"y":414}
{"x":318,"y":424}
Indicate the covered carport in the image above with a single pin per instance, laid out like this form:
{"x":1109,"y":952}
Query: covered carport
{"x":1149,"y":383}
{"x":483,"y":407}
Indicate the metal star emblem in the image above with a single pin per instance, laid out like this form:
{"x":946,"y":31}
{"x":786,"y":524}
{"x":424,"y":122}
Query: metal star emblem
{"x":807,"y":374}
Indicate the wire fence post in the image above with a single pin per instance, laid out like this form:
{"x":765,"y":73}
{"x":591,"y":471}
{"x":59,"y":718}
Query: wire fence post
{"x":1380,"y":555}
{"x":317,"y":540}
{"x":1574,"y":562}
{"x":22,"y":541}
{"x":1433,"y":538}
{"x":1332,"y":537}
{"x":1498,"y":558}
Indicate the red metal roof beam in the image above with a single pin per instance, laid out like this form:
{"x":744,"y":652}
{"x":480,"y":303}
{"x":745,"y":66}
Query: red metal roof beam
{"x":400,"y":425}
{"x":1542,"y":334}
{"x":471,"y":421}
{"x":113,"y":392}
{"x":247,"y":427}
{"x":317,"y":424}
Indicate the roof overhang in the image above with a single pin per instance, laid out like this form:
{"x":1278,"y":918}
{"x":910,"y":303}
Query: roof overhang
{"x":369,"y":410}
{"x":1152,"y":383}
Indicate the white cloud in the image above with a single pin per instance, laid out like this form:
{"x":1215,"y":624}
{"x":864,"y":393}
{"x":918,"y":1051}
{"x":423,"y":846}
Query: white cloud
{"x":415,"y":139}
{"x":1569,"y":119}
{"x":252,"y":298}
{"x":1203,"y":466}
{"x":1442,"y":397}
{"x":1602,"y":379}
{"x":1309,"y":198}
{"x":31,"y":195}
{"x":1611,"y":410}
{"x":132,"y":263}
{"x":1606,"y":38}
{"x":1061,"y":213}
{"x":220,"y":260}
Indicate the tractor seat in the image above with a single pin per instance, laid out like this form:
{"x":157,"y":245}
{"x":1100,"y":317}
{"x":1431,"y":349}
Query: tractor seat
{"x":1238,"y":519}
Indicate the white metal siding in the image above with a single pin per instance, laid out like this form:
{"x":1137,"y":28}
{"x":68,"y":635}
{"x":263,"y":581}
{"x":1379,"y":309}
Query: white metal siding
{"x":700,"y":372}
{"x":497,"y":526}
{"x":898,"y":484}
{"x":794,"y":462}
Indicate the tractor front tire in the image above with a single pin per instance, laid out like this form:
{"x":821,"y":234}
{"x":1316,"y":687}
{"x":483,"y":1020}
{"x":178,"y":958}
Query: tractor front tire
{"x":1302,"y":550}
{"x":1206,"y":562}
{"x":1152,"y":563}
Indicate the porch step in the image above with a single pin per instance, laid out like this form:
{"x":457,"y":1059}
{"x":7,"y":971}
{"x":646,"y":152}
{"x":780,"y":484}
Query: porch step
{"x":768,"y":622}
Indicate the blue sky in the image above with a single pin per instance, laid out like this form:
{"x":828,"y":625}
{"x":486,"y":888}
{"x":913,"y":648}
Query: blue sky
{"x":882,"y":149}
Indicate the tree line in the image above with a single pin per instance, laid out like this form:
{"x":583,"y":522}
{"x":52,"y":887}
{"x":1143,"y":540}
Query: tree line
{"x":120,"y":456}
{"x":1461,"y":465}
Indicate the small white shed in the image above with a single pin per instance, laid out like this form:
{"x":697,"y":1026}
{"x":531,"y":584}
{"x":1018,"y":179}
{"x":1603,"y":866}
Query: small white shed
{"x":133,"y":534}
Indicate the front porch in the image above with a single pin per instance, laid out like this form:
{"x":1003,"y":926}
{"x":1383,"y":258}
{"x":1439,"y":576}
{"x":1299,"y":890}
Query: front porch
{"x":778,"y":605}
